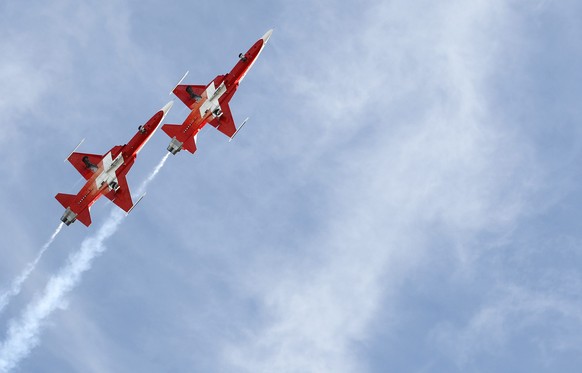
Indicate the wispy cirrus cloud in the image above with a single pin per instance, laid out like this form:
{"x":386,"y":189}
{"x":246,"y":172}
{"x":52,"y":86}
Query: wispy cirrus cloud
{"x":507,"y":316}
{"x":366,"y":219}
{"x":413,"y":155}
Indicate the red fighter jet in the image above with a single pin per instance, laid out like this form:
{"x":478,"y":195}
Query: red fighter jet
{"x":209,"y":104}
{"x":105,"y":174}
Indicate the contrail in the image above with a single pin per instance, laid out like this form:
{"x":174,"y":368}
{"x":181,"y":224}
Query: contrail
{"x":23,"y":334}
{"x":16,"y":286}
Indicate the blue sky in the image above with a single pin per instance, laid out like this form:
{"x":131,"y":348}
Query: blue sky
{"x":405,"y":196}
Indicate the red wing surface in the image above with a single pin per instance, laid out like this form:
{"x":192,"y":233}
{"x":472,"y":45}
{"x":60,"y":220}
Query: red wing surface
{"x":225,"y":122}
{"x":116,"y":150}
{"x":172,"y":130}
{"x":121,"y":197}
{"x":65,"y":199}
{"x":85,"y":163}
{"x":85,"y":217}
{"x":189,"y":94}
{"x":190,"y":144}
{"x":175,"y":130}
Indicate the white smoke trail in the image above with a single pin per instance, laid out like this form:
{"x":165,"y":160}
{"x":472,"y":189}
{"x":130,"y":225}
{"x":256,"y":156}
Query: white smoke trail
{"x":23,"y":334}
{"x":16,"y":286}
{"x":152,"y":175}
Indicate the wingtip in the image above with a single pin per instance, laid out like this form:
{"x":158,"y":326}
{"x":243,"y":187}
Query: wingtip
{"x":183,"y":77}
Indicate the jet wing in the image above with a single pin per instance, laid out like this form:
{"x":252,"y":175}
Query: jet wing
{"x":189,"y":94}
{"x":116,"y":150}
{"x":85,"y":163}
{"x":225,"y":122}
{"x":121,"y":197}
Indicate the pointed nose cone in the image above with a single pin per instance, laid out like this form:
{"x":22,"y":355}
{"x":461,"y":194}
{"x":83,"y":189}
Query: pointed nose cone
{"x":167,"y":107}
{"x":267,"y":36}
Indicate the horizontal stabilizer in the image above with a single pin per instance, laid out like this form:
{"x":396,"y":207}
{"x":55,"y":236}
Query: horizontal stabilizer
{"x":173,"y":130}
{"x":84,"y":217}
{"x":189,"y":145}
{"x":65,"y":199}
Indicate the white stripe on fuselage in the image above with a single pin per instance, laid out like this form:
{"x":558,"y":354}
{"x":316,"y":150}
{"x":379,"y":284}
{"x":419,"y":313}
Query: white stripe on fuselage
{"x":110,"y":166}
{"x":213,"y":95}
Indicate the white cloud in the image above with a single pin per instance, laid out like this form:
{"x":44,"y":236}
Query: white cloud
{"x":416,"y":154}
{"x":377,"y":154}
{"x":511,"y":311}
